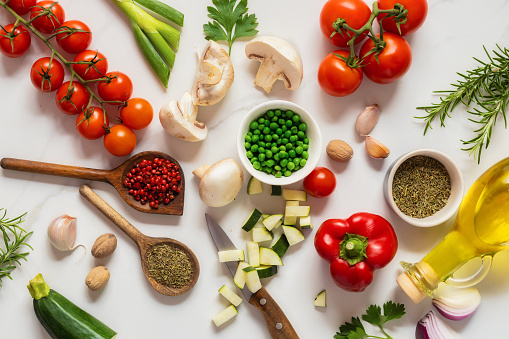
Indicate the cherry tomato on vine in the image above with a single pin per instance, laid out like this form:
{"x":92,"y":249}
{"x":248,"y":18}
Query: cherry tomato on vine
{"x":320,"y":183}
{"x":137,"y":114}
{"x":48,"y":22}
{"x":417,"y":12}
{"x":92,"y":123}
{"x":117,"y":87}
{"x":72,"y":41}
{"x":95,"y":66}
{"x":336,"y":78}
{"x":355,"y":12}
{"x":47,"y":75}
{"x":393,"y":61}
{"x":71,"y":98}
{"x":21,"y":7}
{"x":14,"y":42}
{"x":120,"y":140}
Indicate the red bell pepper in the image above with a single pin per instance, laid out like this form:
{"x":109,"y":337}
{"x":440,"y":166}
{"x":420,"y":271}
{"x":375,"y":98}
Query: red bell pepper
{"x":355,"y":247}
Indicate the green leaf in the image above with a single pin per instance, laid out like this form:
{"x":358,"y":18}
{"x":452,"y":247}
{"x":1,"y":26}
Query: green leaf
{"x":246,"y":27}
{"x":353,"y":330}
{"x":374,"y":315}
{"x":391,"y":311}
{"x":214,"y":31}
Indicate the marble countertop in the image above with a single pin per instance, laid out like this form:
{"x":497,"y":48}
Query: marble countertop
{"x":31,"y":127}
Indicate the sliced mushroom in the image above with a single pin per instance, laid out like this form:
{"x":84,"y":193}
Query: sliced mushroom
{"x":179,"y":119}
{"x":214,"y":75}
{"x":280,"y":61}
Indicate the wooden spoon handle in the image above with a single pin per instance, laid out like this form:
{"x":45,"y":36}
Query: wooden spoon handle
{"x":111,"y":214}
{"x":54,"y":169}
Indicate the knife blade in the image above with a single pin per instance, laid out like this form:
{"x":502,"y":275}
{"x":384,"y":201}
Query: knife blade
{"x":278,"y":324}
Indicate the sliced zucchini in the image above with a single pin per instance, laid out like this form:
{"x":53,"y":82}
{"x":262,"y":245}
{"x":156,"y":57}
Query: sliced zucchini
{"x":252,"y":279}
{"x":295,"y":195}
{"x":253,"y":253}
{"x":305,"y":222}
{"x":266,"y":271}
{"x":288,"y":220}
{"x":293,"y":235}
{"x":239,"y":279}
{"x":281,"y":245}
{"x":272,"y":221}
{"x":269,"y":257}
{"x":225,"y":315}
{"x":254,"y":186}
{"x":261,"y":234}
{"x":251,"y":220}
{"x":275,"y":190}
{"x":231,"y":296}
{"x":320,"y":300}
{"x":297,"y":211}
{"x":232,"y":255}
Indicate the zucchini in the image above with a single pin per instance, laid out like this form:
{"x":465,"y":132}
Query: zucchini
{"x":231,"y":255}
{"x":239,"y":278}
{"x":295,"y":195}
{"x":281,"y":245}
{"x":269,"y":257}
{"x":305,"y":222}
{"x":231,"y":296}
{"x":252,"y":279}
{"x":254,"y":186}
{"x":225,"y":315}
{"x":63,"y":319}
{"x":293,"y":235}
{"x":251,"y":220}
{"x":266,"y":271}
{"x":297,"y":211}
{"x":320,"y":300}
{"x":272,"y":221}
{"x":288,"y":220}
{"x":261,"y":234}
{"x":275,"y":190}
{"x":253,"y":253}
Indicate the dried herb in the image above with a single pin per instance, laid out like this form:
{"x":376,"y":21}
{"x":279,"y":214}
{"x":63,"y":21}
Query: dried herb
{"x":169,"y":266}
{"x":421,"y":186}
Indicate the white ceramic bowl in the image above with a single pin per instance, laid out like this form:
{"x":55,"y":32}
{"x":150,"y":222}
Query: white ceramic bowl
{"x":456,"y":189}
{"x":313,"y":134}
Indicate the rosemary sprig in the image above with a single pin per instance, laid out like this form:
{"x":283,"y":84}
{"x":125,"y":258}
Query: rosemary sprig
{"x":486,"y":89}
{"x":14,"y":237}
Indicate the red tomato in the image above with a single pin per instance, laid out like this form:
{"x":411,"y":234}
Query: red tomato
{"x":95,"y":65}
{"x":76,"y":38}
{"x":393,"y":62}
{"x":355,"y":12}
{"x":118,"y":87}
{"x":92,"y":123}
{"x":21,"y":7}
{"x":47,"y":75}
{"x":71,"y":98}
{"x":120,"y":140}
{"x":47,"y":23}
{"x":417,"y":12}
{"x":336,"y":78}
{"x":320,"y":183}
{"x":14,"y":42}
{"x":137,"y":114}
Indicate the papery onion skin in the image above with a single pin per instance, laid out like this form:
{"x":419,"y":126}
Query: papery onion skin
{"x":459,"y":304}
{"x":432,"y":327}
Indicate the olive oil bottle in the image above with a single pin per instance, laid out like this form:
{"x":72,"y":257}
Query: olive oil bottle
{"x":481,"y":229}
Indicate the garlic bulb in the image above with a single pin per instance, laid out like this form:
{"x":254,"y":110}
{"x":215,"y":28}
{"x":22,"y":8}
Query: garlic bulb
{"x":62,"y":233}
{"x":459,"y":304}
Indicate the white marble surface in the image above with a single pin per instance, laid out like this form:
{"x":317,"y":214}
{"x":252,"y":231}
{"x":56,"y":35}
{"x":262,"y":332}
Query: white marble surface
{"x":31,"y":127}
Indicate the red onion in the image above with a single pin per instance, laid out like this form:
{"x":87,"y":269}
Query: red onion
{"x":432,"y":327}
{"x":459,"y":304}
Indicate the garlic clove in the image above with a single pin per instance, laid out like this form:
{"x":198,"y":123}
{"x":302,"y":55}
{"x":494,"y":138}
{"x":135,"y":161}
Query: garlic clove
{"x":432,"y":327}
{"x":62,"y":233}
{"x":459,"y":304}
{"x":367,"y":120}
{"x":375,"y":148}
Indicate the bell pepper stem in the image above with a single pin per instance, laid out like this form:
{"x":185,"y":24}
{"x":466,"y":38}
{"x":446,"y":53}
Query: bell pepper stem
{"x":353,"y":248}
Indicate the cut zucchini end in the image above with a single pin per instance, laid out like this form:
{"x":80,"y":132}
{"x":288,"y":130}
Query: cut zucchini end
{"x":269,"y":257}
{"x":281,"y":245}
{"x":225,"y":315}
{"x":251,"y":220}
{"x":266,"y":271}
{"x":38,"y":288}
{"x":254,"y":186}
{"x":231,"y":296}
{"x":272,"y":221}
{"x":239,"y":278}
{"x":232,"y":255}
{"x":321,"y":300}
{"x":293,"y":235}
{"x":275,"y":190}
{"x":294,"y":195}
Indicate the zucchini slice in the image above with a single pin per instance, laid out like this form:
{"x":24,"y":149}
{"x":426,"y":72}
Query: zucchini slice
{"x":293,"y":235}
{"x":275,"y":190}
{"x":269,"y":257}
{"x":288,"y":220}
{"x":295,"y":195}
{"x":261,"y":234}
{"x":253,"y":253}
{"x":225,"y":315}
{"x":252,"y":279}
{"x":232,"y":255}
{"x":320,"y":300}
{"x":297,"y":211}
{"x":305,"y":222}
{"x":251,"y":220}
{"x":231,"y":296}
{"x":266,"y":271}
{"x":281,"y":245}
{"x":254,"y":186}
{"x":239,"y":278}
{"x":272,"y":221}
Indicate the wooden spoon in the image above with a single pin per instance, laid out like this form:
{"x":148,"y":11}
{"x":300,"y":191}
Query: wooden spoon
{"x":145,"y":243}
{"x":114,"y":177}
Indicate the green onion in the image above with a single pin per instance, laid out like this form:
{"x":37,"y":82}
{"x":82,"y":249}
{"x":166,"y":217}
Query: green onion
{"x":163,"y":10}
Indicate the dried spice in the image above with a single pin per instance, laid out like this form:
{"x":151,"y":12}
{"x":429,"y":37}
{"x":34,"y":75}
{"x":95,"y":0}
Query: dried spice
{"x":421,"y":186}
{"x":169,"y":266}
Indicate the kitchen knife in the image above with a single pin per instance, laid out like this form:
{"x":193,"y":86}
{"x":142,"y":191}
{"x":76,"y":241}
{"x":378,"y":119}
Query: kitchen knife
{"x":277,"y":322}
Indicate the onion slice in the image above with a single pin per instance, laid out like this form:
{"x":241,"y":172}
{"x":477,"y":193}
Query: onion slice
{"x":432,"y":327}
{"x":459,"y":304}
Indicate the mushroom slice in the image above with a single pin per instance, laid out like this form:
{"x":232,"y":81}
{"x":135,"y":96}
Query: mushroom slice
{"x":214,"y":75}
{"x":179,"y":119}
{"x":280,"y":61}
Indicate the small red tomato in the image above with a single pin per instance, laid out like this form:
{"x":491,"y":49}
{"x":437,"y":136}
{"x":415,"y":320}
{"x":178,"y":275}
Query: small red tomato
{"x":120,"y":140}
{"x":417,"y":12}
{"x":320,"y":183}
{"x":47,"y":74}
{"x":71,"y":98}
{"x":336,"y":78}
{"x":137,"y":114}
{"x":90,"y":65}
{"x":75,"y":36}
{"x":21,"y":7}
{"x":117,"y":87}
{"x":92,"y":123}
{"x":14,"y":42}
{"x":52,"y":18}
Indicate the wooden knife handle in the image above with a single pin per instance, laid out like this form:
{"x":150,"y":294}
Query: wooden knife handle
{"x":277,"y":322}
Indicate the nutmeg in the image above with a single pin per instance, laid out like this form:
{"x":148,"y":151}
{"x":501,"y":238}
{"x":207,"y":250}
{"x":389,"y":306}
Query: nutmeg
{"x":97,"y":278}
{"x":104,"y":246}
{"x":338,"y":150}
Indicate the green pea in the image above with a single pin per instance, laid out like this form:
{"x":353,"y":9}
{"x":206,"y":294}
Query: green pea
{"x":305,"y":147}
{"x":299,"y":149}
{"x":297,"y":167}
{"x":287,"y":173}
{"x":289,"y":146}
{"x":278,"y":174}
{"x":301,"y":135}
{"x":253,"y":160}
{"x":283,"y":163}
{"x":267,"y":169}
{"x":276,"y":157}
{"x":291,"y":165}
{"x":267,"y":138}
{"x":267,"y":123}
{"x":288,"y":134}
{"x":279,"y":131}
{"x":278,"y":141}
{"x":305,"y":155}
{"x":302,"y":162}
{"x":277,"y":168}
{"x":289,"y":114}
{"x":256,"y":132}
{"x":299,"y":143}
{"x":283,"y":155}
{"x":255,"y":139}
{"x":282,"y":148}
{"x":261,"y":150}
{"x":296,"y":161}
{"x":284,"y":141}
{"x":247,"y":138}
{"x":247,"y":145}
{"x":261,"y":120}
{"x":284,"y":128}
{"x":277,"y":112}
{"x":270,"y":114}
{"x":249,"y":154}
{"x":266,"y":130}
{"x":306,"y":140}
{"x":268,"y":153}
{"x":270,"y":162}
{"x":283,"y":114}
{"x":262,"y":164}
{"x":274,"y":149}
{"x":250,"y":133}
{"x":260,"y":127}
{"x":281,"y":121}
{"x":303,"y":126}
{"x":274,"y":119}
{"x":291,"y":153}
{"x":296,"y":118}
{"x":254,"y":148}
{"x":261,"y":143}
{"x":294,"y":129}
{"x":253,"y":125}
{"x":273,"y":126}
{"x":288,"y":123}
{"x":275,"y":136}
{"x":257,"y":165}
{"x":292,"y":138}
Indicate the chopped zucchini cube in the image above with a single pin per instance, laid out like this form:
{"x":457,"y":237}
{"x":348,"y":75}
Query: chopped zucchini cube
{"x":239,"y":279}
{"x":225,"y":315}
{"x":266,"y":271}
{"x":253,"y":253}
{"x":293,"y":235}
{"x":269,"y":257}
{"x":231,"y":296}
{"x":272,"y":221}
{"x":288,"y":220}
{"x":305,"y":222}
{"x":297,"y":211}
{"x":281,"y":245}
{"x":232,"y":255}
{"x":294,"y":195}
{"x":251,"y":220}
{"x":320,"y":300}
{"x":275,"y":190}
{"x":252,"y":279}
{"x":261,"y":234}
{"x":254,"y":186}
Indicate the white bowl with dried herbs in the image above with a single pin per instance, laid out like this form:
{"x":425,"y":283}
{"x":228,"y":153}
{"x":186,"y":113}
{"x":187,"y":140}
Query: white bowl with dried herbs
{"x":424,"y":187}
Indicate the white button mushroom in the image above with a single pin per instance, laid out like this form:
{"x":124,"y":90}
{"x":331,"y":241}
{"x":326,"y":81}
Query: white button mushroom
{"x":280,"y":61}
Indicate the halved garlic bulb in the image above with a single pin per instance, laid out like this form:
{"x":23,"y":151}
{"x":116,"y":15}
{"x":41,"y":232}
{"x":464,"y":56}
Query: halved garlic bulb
{"x":62,"y":233}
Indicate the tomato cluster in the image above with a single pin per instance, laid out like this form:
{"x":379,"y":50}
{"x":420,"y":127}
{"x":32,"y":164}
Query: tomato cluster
{"x":88,"y":67}
{"x":341,"y":73}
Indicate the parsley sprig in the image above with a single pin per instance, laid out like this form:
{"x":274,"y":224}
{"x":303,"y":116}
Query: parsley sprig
{"x":374,"y":316}
{"x":230,"y":22}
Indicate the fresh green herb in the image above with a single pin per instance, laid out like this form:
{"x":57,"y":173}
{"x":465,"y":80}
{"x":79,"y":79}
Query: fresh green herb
{"x":226,"y":16}
{"x":485,"y":87}
{"x":14,"y":238}
{"x":374,"y":316}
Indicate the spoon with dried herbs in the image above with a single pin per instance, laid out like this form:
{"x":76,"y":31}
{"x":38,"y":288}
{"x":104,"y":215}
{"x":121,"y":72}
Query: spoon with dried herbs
{"x":170,"y":267}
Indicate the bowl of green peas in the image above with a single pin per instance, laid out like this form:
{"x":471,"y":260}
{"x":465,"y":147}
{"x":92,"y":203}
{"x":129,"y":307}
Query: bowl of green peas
{"x":279,"y":142}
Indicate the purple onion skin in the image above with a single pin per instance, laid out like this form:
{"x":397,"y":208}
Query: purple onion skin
{"x":420,"y":332}
{"x":432,"y":327}
{"x":452,"y":316}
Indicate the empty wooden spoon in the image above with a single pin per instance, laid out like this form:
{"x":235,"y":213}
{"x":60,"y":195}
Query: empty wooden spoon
{"x":145,"y":244}
{"x":114,"y":177}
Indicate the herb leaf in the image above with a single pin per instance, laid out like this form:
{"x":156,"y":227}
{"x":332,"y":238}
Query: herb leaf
{"x":230,"y":22}
{"x":353,"y":330}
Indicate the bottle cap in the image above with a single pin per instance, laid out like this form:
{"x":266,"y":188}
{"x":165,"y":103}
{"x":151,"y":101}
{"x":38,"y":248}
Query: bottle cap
{"x":409,"y":287}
